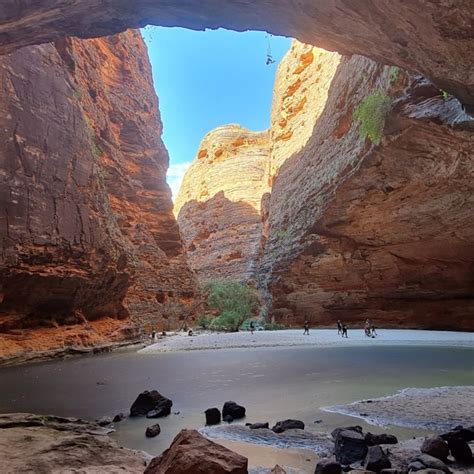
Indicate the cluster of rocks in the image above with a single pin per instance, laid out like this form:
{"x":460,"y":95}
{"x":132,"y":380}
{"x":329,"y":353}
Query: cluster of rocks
{"x":356,"y":451}
{"x":230,"y":411}
{"x":148,"y":403}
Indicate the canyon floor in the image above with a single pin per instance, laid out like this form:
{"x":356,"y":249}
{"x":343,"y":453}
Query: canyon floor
{"x":316,"y":338}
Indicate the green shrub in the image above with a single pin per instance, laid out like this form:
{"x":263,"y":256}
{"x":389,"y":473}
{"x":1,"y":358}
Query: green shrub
{"x":444,"y":94}
{"x":394,"y":74}
{"x":274,"y":327}
{"x":370,"y":113}
{"x":96,"y":150}
{"x":204,"y":321}
{"x":234,"y":301}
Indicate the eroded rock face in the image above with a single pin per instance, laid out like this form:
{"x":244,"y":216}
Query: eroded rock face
{"x":358,"y":231}
{"x":426,"y":36}
{"x":87,"y":233}
{"x":36,"y":443}
{"x":218,"y":204}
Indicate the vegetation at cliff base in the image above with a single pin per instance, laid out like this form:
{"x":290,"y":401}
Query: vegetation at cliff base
{"x":370,"y":114}
{"x":234,"y":301}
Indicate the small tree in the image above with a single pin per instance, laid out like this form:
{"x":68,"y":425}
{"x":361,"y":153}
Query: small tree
{"x":234,"y":301}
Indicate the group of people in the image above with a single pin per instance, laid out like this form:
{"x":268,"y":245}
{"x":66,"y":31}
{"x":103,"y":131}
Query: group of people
{"x":341,"y":328}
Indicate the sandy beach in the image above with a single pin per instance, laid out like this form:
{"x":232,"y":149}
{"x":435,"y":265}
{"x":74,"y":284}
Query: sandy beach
{"x":318,"y":338}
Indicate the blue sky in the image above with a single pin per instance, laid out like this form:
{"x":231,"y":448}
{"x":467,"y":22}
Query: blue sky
{"x":205,"y":79}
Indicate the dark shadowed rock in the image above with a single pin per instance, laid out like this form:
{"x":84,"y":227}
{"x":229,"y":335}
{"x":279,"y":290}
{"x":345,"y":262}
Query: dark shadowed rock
{"x":328,"y":466}
{"x":192,"y":453}
{"x":415,"y":466}
{"x":153,"y":430}
{"x":350,"y":446}
{"x":435,"y":446}
{"x":118,"y":417}
{"x":376,"y":459}
{"x":213,"y":416}
{"x":355,"y":428}
{"x":467,"y":434}
{"x":234,"y":410}
{"x":284,"y":425}
{"x":393,"y":471}
{"x":383,"y":438}
{"x":152,"y":404}
{"x":460,"y":450}
{"x":258,"y":426}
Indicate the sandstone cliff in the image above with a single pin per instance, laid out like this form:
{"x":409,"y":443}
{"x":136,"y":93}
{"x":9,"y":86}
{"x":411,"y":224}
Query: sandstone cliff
{"x":87,"y":233}
{"x":357,"y":230}
{"x":218,"y":204}
{"x":431,"y":37}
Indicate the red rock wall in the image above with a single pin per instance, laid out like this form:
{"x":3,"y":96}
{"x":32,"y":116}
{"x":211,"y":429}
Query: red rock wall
{"x":218,"y":204}
{"x":86,"y":224}
{"x":384,"y":232}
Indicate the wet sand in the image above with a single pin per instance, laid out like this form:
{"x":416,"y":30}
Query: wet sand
{"x":437,"y":409}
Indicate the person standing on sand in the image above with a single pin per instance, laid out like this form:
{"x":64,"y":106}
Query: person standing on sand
{"x":339,"y":327}
{"x":373,"y":331}
{"x":252,"y":327}
{"x":344,"y":330}
{"x":306,"y":328}
{"x":367,"y":328}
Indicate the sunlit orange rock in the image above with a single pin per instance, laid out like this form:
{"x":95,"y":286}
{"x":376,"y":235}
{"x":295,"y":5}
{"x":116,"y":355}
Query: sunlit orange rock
{"x":218,"y":205}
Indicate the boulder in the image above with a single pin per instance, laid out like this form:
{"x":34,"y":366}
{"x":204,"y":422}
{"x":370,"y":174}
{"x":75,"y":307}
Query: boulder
{"x":383,"y":438}
{"x":152,"y":404}
{"x":435,"y":446}
{"x":328,"y":466}
{"x":234,"y":410}
{"x":259,"y":426}
{"x":460,"y":450}
{"x":376,"y":459}
{"x":355,"y":428}
{"x":153,"y":430}
{"x":192,"y":453}
{"x":284,"y":425}
{"x":467,"y":434}
{"x":415,"y":466}
{"x":213,"y":416}
{"x":432,"y":462}
{"x":393,"y":471}
{"x":104,"y":421}
{"x":350,"y":446}
{"x":118,"y":417}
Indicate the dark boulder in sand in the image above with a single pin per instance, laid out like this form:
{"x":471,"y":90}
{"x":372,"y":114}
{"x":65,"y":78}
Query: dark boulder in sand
{"x":192,"y":453}
{"x":213,"y":416}
{"x":383,"y":438}
{"x":153,"y":430}
{"x":350,"y":446}
{"x":118,"y":417}
{"x":460,"y":450}
{"x":104,"y":421}
{"x":284,"y":425}
{"x":234,"y":410}
{"x":467,"y":434}
{"x":151,"y":404}
{"x":435,"y":446}
{"x":336,"y":431}
{"x":328,"y":466}
{"x":376,"y":459}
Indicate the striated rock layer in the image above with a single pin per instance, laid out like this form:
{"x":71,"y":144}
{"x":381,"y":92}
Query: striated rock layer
{"x":218,"y":204}
{"x":385,"y":232}
{"x":88,"y":238}
{"x":431,"y":37}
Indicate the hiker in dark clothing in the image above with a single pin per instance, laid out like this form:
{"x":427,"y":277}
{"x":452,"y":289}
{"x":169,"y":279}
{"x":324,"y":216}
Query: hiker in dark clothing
{"x":306,"y":328}
{"x":339,"y":326}
{"x":344,"y":330}
{"x":252,"y":327}
{"x":372,"y":329}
